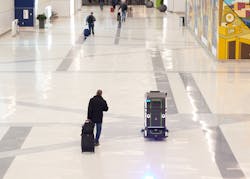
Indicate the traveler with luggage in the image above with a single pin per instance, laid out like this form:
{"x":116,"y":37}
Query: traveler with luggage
{"x":87,"y":141}
{"x":119,"y":19}
{"x":124,"y":8}
{"x":90,"y":21}
{"x":95,"y":113}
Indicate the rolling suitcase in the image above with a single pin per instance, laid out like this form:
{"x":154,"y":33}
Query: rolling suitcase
{"x":86,"y":33}
{"x":87,"y":141}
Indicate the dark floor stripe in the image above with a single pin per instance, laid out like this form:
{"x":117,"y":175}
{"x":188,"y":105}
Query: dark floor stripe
{"x":12,"y":140}
{"x":38,"y":149}
{"x":67,"y":61}
{"x":196,"y":98}
{"x":224,"y":157}
{"x":162,"y":81}
{"x":4,"y":165}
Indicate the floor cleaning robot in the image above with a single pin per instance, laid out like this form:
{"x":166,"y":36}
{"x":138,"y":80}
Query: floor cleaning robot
{"x":155,"y":115}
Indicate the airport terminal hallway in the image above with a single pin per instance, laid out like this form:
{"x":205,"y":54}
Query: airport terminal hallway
{"x":47,"y":78}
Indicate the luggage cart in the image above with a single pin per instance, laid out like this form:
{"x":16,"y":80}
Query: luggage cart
{"x":155,"y":115}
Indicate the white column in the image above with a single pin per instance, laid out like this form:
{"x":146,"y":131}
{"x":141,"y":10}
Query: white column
{"x":175,"y":5}
{"x":72,"y":7}
{"x":170,"y":5}
{"x":6,"y":15}
{"x":79,"y":4}
{"x":179,"y":6}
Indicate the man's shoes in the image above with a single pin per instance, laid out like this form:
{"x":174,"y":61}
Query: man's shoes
{"x":97,"y":144}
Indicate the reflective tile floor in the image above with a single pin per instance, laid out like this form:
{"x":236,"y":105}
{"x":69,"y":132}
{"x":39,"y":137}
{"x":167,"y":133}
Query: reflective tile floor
{"x":48,"y":76}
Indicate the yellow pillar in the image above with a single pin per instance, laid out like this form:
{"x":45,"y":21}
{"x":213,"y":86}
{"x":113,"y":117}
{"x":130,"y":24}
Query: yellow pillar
{"x":238,"y":50}
{"x":223,"y":49}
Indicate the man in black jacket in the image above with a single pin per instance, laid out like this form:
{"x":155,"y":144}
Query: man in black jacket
{"x":124,"y":8}
{"x":90,"y":21}
{"x":95,"y":113}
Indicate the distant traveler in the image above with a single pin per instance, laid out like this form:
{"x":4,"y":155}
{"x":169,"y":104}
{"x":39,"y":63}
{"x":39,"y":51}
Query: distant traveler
{"x":124,"y":8}
{"x":101,"y":2}
{"x":90,"y":21}
{"x":95,"y":113}
{"x":130,"y":12}
{"x":114,"y":3}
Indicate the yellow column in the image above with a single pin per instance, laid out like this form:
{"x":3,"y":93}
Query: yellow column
{"x":238,"y":50}
{"x":223,"y":49}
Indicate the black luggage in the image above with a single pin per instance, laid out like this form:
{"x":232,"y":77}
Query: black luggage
{"x":87,"y":141}
{"x":88,"y":127}
{"x":88,"y":144}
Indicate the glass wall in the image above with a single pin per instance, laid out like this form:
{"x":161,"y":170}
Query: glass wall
{"x":223,"y":26}
{"x":202,"y":20}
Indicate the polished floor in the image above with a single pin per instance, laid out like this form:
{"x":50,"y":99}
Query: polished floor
{"x":48,"y":76}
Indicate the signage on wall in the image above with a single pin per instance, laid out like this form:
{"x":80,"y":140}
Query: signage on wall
{"x":25,"y":14}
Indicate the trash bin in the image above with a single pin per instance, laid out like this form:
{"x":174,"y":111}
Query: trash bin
{"x":163,"y":8}
{"x":149,"y":4}
{"x":182,"y":21}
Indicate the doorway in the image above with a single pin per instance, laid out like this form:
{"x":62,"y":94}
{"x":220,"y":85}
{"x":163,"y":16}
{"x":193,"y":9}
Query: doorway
{"x":231,"y":50}
{"x":245,"y":51}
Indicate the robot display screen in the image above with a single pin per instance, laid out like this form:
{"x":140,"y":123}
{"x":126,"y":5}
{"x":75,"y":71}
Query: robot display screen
{"x":155,"y":104}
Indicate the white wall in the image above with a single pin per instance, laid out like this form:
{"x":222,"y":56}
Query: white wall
{"x":41,"y":5}
{"x":72,"y":7}
{"x":62,"y":7}
{"x":6,"y":15}
{"x":66,"y":8}
{"x":79,"y":4}
{"x":176,"y":5}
